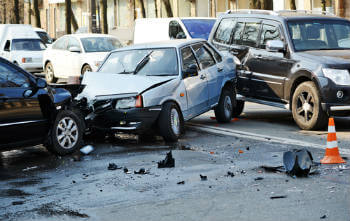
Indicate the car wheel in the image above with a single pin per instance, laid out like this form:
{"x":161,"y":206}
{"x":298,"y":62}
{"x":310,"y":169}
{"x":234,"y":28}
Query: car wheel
{"x":170,"y":122}
{"x":49,"y":73}
{"x":66,"y":133}
{"x":224,"y":110}
{"x":85,"y":69}
{"x":306,"y":107}
{"x":238,"y":109}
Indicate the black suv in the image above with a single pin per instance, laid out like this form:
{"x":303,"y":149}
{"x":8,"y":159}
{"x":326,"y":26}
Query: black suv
{"x":289,"y":59}
{"x":32,"y":113}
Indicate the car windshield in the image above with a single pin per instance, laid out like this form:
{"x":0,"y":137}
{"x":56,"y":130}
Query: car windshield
{"x":45,"y":37}
{"x":320,"y":34}
{"x":27,"y":45}
{"x":149,"y":62}
{"x":100,"y":44}
{"x":199,"y":28}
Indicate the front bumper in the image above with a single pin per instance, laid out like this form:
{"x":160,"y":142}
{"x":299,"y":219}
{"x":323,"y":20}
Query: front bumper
{"x":128,"y":120}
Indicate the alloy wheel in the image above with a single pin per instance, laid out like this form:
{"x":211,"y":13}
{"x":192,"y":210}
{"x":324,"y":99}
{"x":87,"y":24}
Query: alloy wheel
{"x":305,"y":106}
{"x":67,"y":133}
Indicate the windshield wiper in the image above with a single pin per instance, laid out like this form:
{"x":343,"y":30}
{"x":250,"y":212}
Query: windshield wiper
{"x":143,"y":62}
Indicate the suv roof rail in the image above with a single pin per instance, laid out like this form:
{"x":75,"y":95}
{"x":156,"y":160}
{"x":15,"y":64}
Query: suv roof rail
{"x":251,"y":11}
{"x":306,"y":12}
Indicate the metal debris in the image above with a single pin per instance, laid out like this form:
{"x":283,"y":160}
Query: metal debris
{"x":126,"y":170}
{"x":30,"y":168}
{"x":231,"y":174}
{"x":168,"y":162}
{"x":278,"y":197}
{"x":141,"y":171}
{"x":203,"y":178}
{"x":113,"y":166}
{"x":181,"y":182}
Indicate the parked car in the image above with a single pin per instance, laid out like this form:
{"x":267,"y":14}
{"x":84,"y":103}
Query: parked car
{"x":21,"y":45}
{"x":158,"y":85}
{"x":162,"y":29}
{"x":45,"y":37}
{"x":73,"y":55}
{"x":291,"y":60}
{"x":32,"y":113}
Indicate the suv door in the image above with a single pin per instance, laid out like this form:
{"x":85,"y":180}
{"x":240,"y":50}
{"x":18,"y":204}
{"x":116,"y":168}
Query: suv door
{"x":196,"y":86}
{"x":270,"y":69}
{"x":21,"y":118}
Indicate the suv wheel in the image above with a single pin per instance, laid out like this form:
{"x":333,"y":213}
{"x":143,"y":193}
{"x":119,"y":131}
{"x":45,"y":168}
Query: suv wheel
{"x":66,"y":133}
{"x":238,"y":109}
{"x":49,"y":73}
{"x":224,"y":110}
{"x":170,"y":122}
{"x":306,"y":107}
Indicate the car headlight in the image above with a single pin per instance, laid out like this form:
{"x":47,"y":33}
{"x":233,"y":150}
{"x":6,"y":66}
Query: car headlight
{"x":129,"y":102}
{"x":338,"y":76}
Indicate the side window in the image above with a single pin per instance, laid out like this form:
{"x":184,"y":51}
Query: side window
{"x":250,"y":34}
{"x":223,"y":33}
{"x":237,"y":33}
{"x":187,"y":58}
{"x":11,"y":77}
{"x":217,"y":56}
{"x":73,"y":42}
{"x":175,"y":31}
{"x":269,"y":32}
{"x":60,"y":44}
{"x":205,"y":58}
{"x":7,"y":45}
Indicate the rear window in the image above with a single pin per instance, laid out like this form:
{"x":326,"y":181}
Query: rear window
{"x":223,"y":33}
{"x":27,"y":45}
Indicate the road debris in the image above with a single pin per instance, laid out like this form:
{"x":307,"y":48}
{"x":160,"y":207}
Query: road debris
{"x":323,"y":217}
{"x":273,"y":169}
{"x":181,"y":182}
{"x":126,"y":170}
{"x":113,"y":166}
{"x":231,"y":174}
{"x":278,"y":197}
{"x":203,"y":178}
{"x":240,"y":151}
{"x":76,"y":157}
{"x":247,"y":148}
{"x":297,"y":162}
{"x":168,"y":162}
{"x":87,"y":149}
{"x":141,"y":171}
{"x":259,"y":178}
{"x":30,"y":168}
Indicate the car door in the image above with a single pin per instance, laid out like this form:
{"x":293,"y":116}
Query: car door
{"x":21,"y":118}
{"x":196,"y":86}
{"x":57,"y":56}
{"x":73,"y":65}
{"x":270,"y":68}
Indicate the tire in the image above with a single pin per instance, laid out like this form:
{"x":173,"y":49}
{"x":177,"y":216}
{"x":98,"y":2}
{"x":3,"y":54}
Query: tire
{"x":66,"y":133}
{"x":238,"y":109}
{"x":306,"y":107}
{"x":224,"y":110}
{"x":85,"y":69}
{"x":170,"y":122}
{"x":49,"y":73}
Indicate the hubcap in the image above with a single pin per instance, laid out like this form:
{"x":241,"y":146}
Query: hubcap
{"x":67,"y":133}
{"x":228,"y":106}
{"x":305,"y":106}
{"x":175,"y":121}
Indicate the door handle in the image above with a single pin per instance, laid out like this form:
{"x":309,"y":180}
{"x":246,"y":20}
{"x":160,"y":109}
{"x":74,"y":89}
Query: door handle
{"x":220,"y":69}
{"x":202,"y":77}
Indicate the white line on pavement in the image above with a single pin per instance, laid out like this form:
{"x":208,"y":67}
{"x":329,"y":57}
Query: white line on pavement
{"x":254,"y":136}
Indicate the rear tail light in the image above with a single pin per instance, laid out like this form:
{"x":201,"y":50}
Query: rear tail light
{"x":23,"y":60}
{"x":139,"y":101}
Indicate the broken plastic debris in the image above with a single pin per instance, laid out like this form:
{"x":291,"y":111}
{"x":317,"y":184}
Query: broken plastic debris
{"x":259,"y":178}
{"x":278,"y":197}
{"x":323,"y":217}
{"x":141,"y":171}
{"x":181,"y":182}
{"x":168,"y":162}
{"x":30,"y":168}
{"x":203,"y":177}
{"x":211,"y":152}
{"x":87,"y":149}
{"x":240,"y":151}
{"x":273,"y":169}
{"x":126,"y":170}
{"x":231,"y":174}
{"x":113,"y":166}
{"x":297,"y":162}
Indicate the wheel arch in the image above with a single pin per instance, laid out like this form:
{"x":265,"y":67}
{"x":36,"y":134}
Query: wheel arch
{"x":176,"y":103}
{"x":82,"y":67}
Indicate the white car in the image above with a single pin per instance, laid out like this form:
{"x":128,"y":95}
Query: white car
{"x":73,"y":55}
{"x":45,"y":37}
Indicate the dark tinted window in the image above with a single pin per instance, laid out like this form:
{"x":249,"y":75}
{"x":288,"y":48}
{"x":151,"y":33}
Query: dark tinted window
{"x":223,"y":33}
{"x":250,"y":34}
{"x":213,"y":52}
{"x":269,"y":32}
{"x":203,"y":55}
{"x":237,"y":33}
{"x":11,"y":77}
{"x":187,"y":58}
{"x":45,"y":37}
{"x":175,"y":31}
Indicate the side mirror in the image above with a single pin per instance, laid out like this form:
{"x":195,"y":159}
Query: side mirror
{"x":275,"y":46}
{"x":191,"y":71}
{"x":41,"y":83}
{"x":74,"y":49}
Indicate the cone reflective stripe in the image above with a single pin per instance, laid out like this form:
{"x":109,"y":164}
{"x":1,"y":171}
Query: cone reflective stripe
{"x":332,"y":155}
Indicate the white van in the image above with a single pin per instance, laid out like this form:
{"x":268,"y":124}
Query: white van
{"x":161,"y":29}
{"x":21,"y":45}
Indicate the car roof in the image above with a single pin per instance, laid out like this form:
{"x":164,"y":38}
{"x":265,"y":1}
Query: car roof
{"x":87,"y":35}
{"x":172,"y":18}
{"x":163,"y":44}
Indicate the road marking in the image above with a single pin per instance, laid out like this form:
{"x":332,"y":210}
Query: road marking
{"x":259,"y":137}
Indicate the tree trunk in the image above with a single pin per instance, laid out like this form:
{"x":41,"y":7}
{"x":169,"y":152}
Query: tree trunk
{"x":68,"y":16}
{"x":16,"y":11}
{"x":255,"y":4}
{"x":37,"y":13}
{"x":143,"y":10}
{"x":167,"y":5}
{"x":341,"y":8}
{"x":323,"y":3}
{"x":104,"y":22}
{"x":29,"y":12}
{"x":292,"y":5}
{"x":156,"y":8}
{"x":74,"y":21}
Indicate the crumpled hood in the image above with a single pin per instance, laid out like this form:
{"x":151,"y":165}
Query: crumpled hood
{"x":329,"y":56}
{"x":98,"y":83}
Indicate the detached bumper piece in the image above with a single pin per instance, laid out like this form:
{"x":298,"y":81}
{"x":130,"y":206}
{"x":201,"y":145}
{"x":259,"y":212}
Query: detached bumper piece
{"x":133,"y":119}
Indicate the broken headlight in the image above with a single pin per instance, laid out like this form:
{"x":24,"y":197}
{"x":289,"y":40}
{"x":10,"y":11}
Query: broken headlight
{"x":129,"y":102}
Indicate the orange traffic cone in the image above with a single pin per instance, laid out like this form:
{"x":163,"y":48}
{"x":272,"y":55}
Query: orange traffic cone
{"x":332,"y":155}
